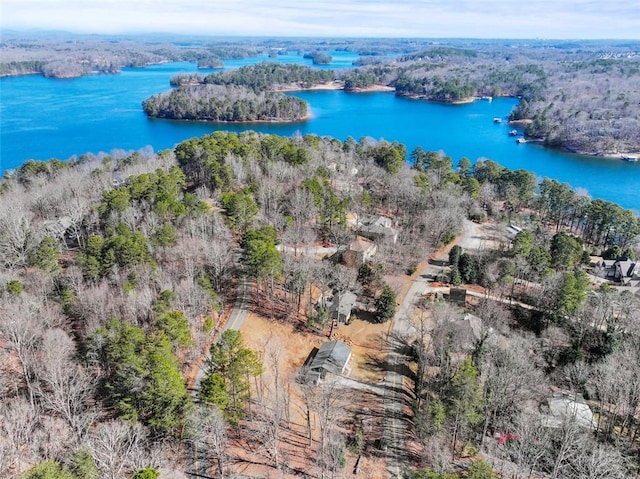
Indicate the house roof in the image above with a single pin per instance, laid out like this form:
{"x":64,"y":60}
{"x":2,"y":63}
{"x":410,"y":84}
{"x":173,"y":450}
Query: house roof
{"x":382,"y":221}
{"x":468,"y":331}
{"x":378,"y":225}
{"x":332,"y":356}
{"x":58,"y":227}
{"x":342,"y":304}
{"x":361,"y":244}
{"x":563,"y":405}
{"x":378,"y":230}
{"x":627,"y":267}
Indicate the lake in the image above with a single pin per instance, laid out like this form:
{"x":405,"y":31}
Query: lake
{"x":47,"y":118}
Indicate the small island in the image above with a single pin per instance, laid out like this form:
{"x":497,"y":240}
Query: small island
{"x":319,"y":58}
{"x":209,"y":62}
{"x":225,"y":104}
{"x":248,"y":94}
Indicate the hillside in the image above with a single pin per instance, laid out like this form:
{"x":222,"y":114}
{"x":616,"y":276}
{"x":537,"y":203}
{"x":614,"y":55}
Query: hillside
{"x":119,"y":273}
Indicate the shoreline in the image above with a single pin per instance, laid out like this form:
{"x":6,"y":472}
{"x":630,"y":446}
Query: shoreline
{"x":306,"y":117}
{"x":605,"y":156}
{"x":521,"y":122}
{"x":524,"y":122}
{"x":372,"y":89}
{"x":587,"y":154}
{"x":335,"y":85}
{"x":332,"y":85}
{"x":464,"y":101}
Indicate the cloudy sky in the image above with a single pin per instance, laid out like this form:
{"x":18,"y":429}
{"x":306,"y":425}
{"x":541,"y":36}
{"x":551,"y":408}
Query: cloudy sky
{"x":371,"y":18}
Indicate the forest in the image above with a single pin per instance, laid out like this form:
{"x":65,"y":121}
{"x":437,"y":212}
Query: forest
{"x":64,"y":55}
{"x":319,"y":58}
{"x":119,"y":272}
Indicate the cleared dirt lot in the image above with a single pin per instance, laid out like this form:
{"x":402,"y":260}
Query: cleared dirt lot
{"x":292,"y":343}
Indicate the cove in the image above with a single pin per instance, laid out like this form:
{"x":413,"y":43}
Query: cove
{"x":44,"y":118}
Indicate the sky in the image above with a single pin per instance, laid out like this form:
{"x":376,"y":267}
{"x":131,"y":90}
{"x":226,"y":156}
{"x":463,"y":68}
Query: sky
{"x":557,"y":19}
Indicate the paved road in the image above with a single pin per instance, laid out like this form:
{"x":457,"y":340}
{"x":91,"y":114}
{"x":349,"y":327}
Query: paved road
{"x":395,"y":397}
{"x":236,"y":319}
{"x":241,"y":306}
{"x":470,"y":238}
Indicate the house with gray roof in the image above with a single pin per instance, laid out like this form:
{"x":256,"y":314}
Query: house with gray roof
{"x":379,"y":229}
{"x":341,"y":305}
{"x":625,"y":270}
{"x":332,"y":358}
{"x":622,"y":270}
{"x":566,"y":405}
{"x":468,"y":331}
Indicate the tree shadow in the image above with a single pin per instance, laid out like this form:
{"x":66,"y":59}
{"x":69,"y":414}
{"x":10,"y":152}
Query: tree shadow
{"x":438,"y":262}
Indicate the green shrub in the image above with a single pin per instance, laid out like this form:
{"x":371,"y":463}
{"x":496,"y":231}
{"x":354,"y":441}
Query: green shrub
{"x":47,"y":470}
{"x":146,"y":473}
{"x":14,"y":287}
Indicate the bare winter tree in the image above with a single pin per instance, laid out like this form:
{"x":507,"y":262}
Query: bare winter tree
{"x":270,"y":200}
{"x":302,"y":210}
{"x":509,"y":380}
{"x":19,"y":421}
{"x":328,"y":401}
{"x":336,"y":447}
{"x":64,"y":387}
{"x":219,"y":261}
{"x":443,"y":339}
{"x":18,"y":235}
{"x":422,"y":326}
{"x":528,"y":450}
{"x":9,"y":380}
{"x":297,"y":273}
{"x":118,"y":448}
{"x":273,"y":402}
{"x":20,"y":327}
{"x":54,"y":437}
{"x":438,"y":453}
{"x":598,"y":461}
{"x":610,"y":383}
{"x":207,"y":432}
{"x":630,"y":354}
{"x":568,"y":443}
{"x":495,"y":319}
{"x":443,"y":215}
{"x":74,"y":209}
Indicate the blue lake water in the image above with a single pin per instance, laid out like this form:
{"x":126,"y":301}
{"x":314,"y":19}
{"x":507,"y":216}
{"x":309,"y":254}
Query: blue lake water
{"x":45,"y":118}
